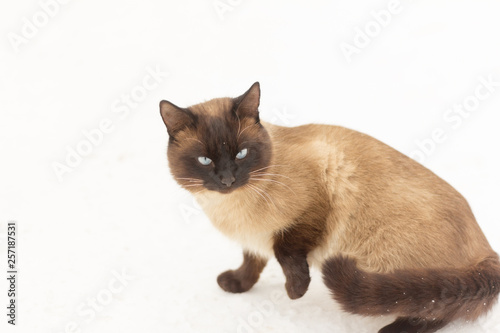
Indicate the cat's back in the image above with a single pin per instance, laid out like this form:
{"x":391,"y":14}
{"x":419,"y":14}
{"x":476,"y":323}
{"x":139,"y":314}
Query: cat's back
{"x":334,"y":136}
{"x":385,"y":205}
{"x":344,"y":148}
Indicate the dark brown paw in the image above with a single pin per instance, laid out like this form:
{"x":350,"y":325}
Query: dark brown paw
{"x":229,"y":282}
{"x":297,"y":287}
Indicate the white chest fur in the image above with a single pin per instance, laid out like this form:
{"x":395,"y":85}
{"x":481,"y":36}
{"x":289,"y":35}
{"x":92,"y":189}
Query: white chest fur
{"x":242,"y":219}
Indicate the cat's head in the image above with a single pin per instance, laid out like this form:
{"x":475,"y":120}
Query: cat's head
{"x":217,"y":144}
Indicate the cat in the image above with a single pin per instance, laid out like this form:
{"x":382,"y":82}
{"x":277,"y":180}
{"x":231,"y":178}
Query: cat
{"x":390,"y":237}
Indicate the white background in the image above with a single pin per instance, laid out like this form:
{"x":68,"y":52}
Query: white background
{"x":119,"y":209}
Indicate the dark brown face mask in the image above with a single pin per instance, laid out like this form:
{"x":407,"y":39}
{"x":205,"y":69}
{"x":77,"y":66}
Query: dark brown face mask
{"x":217,"y":143}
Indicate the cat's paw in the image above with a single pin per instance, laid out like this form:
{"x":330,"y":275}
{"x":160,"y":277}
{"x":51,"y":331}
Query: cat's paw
{"x":297,"y":287}
{"x":230,"y":282}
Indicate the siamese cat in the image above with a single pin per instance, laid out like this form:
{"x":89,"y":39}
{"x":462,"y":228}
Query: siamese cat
{"x":390,"y":237}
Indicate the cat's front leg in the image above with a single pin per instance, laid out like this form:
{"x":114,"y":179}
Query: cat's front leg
{"x":243,"y":278}
{"x":296,"y":270}
{"x":292,"y":256}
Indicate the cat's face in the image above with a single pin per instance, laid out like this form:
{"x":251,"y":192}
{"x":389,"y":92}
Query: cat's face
{"x":217,"y":144}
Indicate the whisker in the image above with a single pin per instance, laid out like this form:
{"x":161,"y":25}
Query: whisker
{"x":270,"y":174}
{"x":274,"y":181}
{"x":193,"y":180}
{"x":254,"y":188}
{"x":270,"y":166}
{"x":245,"y":129}
{"x":269,"y":196}
{"x":266,"y":194}
{"x":239,"y":124}
{"x":194,"y":140}
{"x":192,"y":185}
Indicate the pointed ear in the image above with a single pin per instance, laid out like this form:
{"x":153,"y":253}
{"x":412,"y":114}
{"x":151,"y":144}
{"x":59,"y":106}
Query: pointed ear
{"x":247,"y":105}
{"x":176,"y":118}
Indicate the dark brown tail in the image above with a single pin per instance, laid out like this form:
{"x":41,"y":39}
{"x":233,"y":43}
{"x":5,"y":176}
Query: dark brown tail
{"x":428,"y":294}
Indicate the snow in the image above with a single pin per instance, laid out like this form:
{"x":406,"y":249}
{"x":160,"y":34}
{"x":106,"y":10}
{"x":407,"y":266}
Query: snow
{"x":119,"y":213}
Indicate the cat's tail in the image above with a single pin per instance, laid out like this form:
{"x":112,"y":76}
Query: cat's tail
{"x":418,"y":293}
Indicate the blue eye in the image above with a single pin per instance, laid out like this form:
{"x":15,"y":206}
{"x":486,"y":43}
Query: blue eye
{"x":242,"y":154}
{"x":204,"y":160}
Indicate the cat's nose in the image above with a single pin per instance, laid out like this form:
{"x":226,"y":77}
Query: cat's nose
{"x":227,"y":180}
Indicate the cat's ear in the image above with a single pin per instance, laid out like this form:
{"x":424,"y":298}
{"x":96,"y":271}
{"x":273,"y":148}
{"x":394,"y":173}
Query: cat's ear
{"x":176,"y":118}
{"x":247,"y":105}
